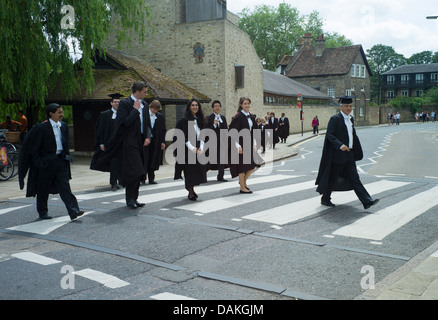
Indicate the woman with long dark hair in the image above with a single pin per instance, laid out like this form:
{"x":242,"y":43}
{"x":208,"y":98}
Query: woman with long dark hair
{"x":249,"y":159}
{"x":194,"y":172}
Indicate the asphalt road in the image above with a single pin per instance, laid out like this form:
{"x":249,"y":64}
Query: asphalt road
{"x":275,"y":244}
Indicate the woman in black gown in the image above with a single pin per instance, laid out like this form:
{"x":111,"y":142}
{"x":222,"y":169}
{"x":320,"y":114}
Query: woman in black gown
{"x":247,"y":163}
{"x":194,"y":172}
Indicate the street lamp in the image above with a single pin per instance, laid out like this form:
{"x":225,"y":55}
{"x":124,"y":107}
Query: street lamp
{"x":300,"y":105}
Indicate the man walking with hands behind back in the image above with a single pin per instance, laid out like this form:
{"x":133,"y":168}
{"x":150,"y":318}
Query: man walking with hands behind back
{"x":341,"y":150}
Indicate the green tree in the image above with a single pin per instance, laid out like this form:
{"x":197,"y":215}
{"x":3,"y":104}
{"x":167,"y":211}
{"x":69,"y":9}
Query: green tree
{"x":275,"y":32}
{"x":381,"y":59}
{"x":435,"y":57}
{"x":424,"y":57}
{"x":38,"y":36}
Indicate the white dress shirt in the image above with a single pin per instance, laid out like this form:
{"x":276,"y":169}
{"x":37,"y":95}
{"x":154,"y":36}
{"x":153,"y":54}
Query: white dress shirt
{"x":349,"y":125}
{"x":56,"y":126}
{"x":140,"y":110}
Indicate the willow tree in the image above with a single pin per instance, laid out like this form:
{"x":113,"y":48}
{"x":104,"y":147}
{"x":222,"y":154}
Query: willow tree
{"x":39,"y":40}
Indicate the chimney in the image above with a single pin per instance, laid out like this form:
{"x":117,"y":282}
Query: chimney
{"x":319,"y":46}
{"x":306,"y":41}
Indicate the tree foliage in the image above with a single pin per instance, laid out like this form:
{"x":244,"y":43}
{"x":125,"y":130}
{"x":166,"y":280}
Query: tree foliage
{"x":38,"y":36}
{"x":275,"y":32}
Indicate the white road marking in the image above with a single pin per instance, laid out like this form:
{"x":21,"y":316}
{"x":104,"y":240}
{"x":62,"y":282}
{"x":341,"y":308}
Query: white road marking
{"x":106,"y":279}
{"x":301,"y":209}
{"x":35,"y":258}
{"x":378,"y":225}
{"x":7,"y":210}
{"x":170,"y":296}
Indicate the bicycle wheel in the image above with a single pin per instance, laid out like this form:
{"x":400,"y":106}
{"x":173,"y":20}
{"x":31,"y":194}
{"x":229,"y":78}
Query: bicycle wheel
{"x":6,"y":171}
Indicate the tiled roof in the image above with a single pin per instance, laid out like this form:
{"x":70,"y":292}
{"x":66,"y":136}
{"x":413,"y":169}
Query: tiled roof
{"x":279,"y":84}
{"x":334,"y":61}
{"x":413,"y":68}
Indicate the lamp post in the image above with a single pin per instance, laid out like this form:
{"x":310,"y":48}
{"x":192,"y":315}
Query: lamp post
{"x":300,"y":105}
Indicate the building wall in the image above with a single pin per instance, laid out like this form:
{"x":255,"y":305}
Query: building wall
{"x":169,"y":48}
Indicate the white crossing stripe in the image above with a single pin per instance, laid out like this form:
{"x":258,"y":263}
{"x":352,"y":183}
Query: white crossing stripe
{"x":106,"y":279}
{"x":35,"y":258}
{"x":213,"y":205}
{"x":182,"y":193}
{"x":382,"y":223}
{"x":170,"y":296}
{"x":298,"y":210}
{"x":45,"y":226}
{"x":435,"y":254}
{"x":3,"y":211}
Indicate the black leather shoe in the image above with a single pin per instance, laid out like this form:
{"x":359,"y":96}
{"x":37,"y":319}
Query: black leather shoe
{"x":45,"y":217}
{"x":131,"y":204}
{"x":327,"y":203}
{"x":139,"y":204}
{"x":370,"y":204}
{"x":192,"y":198}
{"x":152,"y":182}
{"x":222,"y":180}
{"x":246,"y":192}
{"x":115,"y":187}
{"x":74,"y":216}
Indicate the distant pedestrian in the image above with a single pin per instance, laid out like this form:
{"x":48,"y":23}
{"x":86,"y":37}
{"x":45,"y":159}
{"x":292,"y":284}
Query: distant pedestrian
{"x":397,"y":118}
{"x":315,"y":125}
{"x":283,"y":128}
{"x":45,"y":154}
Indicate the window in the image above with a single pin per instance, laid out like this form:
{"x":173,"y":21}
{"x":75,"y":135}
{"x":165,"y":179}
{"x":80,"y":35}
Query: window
{"x":434,"y":77}
{"x":419,"y":77}
{"x":404,"y":79}
{"x":358,"y":70}
{"x":331,"y":92}
{"x":202,"y":10}
{"x":390,"y":95}
{"x":353,"y":71}
{"x":363,"y":72}
{"x":405,"y":93}
{"x":348,"y":92}
{"x":239,"y":77}
{"x":390,"y":80}
{"x":419,"y":93}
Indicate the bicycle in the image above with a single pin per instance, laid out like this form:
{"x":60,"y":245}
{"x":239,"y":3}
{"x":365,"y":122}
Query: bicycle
{"x":7,"y":169}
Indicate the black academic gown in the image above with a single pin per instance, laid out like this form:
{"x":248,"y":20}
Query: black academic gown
{"x":37,"y":157}
{"x":105,"y":128}
{"x":194,"y":173}
{"x":217,"y":130}
{"x":239,"y":123}
{"x":283,"y":129}
{"x":153,"y":155}
{"x":126,"y":144}
{"x":274,"y":125}
{"x":336,"y":136}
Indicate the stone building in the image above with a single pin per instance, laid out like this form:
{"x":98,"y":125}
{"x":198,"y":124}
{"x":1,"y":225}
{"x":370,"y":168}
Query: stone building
{"x":199,"y":43}
{"x":334,"y":71}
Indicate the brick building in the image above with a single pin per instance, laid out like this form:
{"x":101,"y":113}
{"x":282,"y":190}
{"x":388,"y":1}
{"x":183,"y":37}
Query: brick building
{"x":199,"y":43}
{"x":333,"y":71}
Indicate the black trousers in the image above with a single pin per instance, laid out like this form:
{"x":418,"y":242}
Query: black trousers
{"x":347,"y":170}
{"x":60,"y":175}
{"x":131,"y":191}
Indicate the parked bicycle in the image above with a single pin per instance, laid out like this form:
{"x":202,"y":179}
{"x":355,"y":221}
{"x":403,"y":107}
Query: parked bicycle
{"x":9,"y":162}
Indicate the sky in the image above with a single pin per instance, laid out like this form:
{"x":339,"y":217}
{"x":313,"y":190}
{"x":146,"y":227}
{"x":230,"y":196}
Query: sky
{"x":401,"y":24}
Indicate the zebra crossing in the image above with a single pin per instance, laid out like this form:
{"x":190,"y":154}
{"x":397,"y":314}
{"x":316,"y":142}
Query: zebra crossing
{"x":375,"y":226}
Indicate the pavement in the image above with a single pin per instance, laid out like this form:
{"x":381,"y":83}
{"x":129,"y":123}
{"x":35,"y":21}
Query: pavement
{"x":416,"y":280}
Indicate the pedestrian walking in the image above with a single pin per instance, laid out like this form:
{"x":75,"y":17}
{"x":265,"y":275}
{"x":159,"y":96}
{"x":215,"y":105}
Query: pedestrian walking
{"x":283,"y":128}
{"x":341,"y":150}
{"x":217,"y":122}
{"x":105,"y":128}
{"x":194,"y":172}
{"x":153,"y":153}
{"x":45,"y":155}
{"x":248,"y":158}
{"x":315,"y":125}
{"x":274,"y":125}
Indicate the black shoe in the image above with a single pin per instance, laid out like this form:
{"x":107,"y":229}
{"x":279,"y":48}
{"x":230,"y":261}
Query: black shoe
{"x":45,"y":217}
{"x":152,"y":182}
{"x":139,"y":204}
{"x":192,"y":198}
{"x":246,"y":192}
{"x":222,"y":180}
{"x":370,"y":204}
{"x":74,"y":216}
{"x":327,"y":203}
{"x":115,"y":187}
{"x":131,"y":204}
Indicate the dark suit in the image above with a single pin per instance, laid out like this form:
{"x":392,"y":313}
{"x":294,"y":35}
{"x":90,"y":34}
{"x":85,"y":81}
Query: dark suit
{"x":105,"y":128}
{"x":336,"y":164}
{"x":48,"y":172}
{"x":273,"y":124}
{"x":127,"y":146}
{"x":283,"y":131}
{"x":153,"y":155}
{"x":210,"y":124}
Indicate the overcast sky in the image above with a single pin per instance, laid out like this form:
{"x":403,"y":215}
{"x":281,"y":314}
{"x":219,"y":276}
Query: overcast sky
{"x":401,"y":24}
